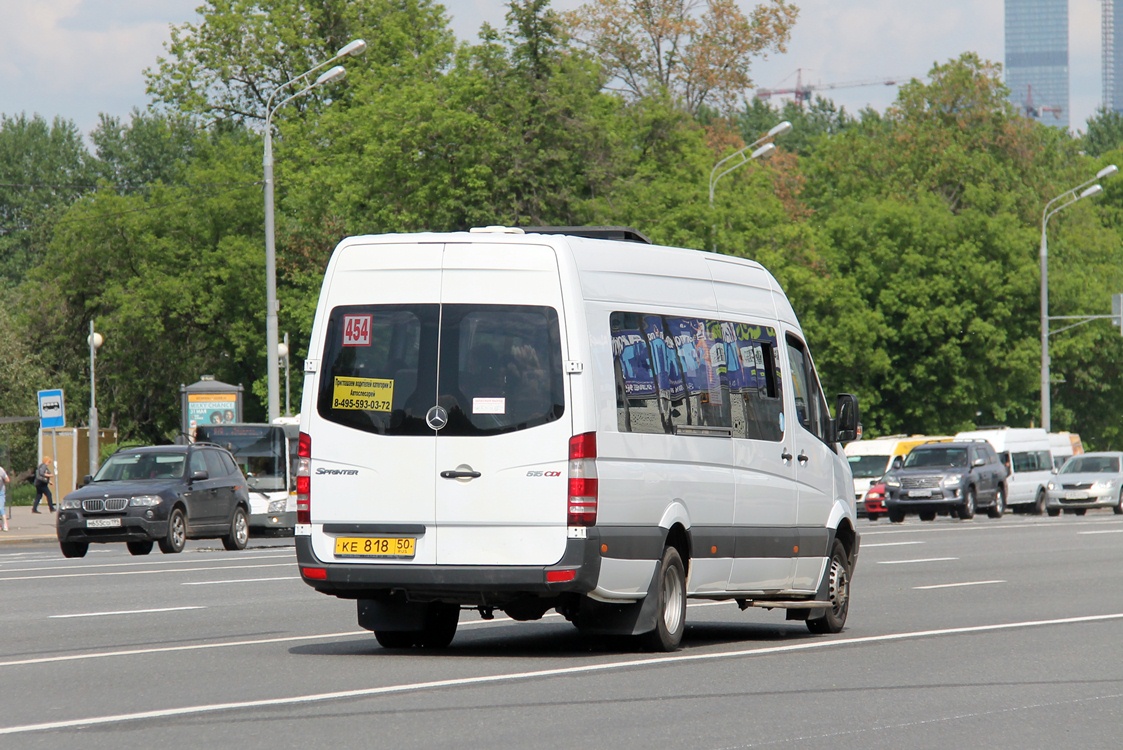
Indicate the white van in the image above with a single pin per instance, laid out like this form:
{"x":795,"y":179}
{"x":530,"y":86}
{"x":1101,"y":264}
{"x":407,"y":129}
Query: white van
{"x":1064,"y":446}
{"x":516,"y":421}
{"x":1027,"y":453}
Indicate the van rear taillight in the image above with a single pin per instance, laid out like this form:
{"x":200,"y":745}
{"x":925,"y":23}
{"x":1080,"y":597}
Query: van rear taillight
{"x":304,"y":479}
{"x":583,"y":480}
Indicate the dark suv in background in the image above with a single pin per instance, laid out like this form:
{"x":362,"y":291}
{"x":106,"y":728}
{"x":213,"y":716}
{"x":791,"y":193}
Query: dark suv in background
{"x":955,"y":478}
{"x":160,"y":494}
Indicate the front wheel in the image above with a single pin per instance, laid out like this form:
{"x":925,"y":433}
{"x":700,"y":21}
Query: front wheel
{"x":239,"y":531}
{"x":1039,"y":504}
{"x":1054,"y":512}
{"x":74,"y":549}
{"x":1117,"y":509}
{"x":896,"y":516}
{"x":139,"y":548}
{"x":838,"y":590}
{"x":998,"y":507}
{"x":967,"y":510}
{"x":176,"y":538}
{"x":671,"y":592}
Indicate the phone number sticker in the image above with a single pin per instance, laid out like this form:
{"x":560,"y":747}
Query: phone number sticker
{"x":362,"y":394}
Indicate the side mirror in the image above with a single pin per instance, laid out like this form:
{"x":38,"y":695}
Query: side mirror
{"x":87,"y":479}
{"x":978,"y":462}
{"x":846,"y":427}
{"x":198,"y":476}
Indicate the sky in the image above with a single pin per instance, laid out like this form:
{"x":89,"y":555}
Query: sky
{"x":78,"y":58}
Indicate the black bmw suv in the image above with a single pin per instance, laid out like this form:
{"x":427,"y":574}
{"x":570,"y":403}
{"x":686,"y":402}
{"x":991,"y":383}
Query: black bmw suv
{"x":159,"y":494}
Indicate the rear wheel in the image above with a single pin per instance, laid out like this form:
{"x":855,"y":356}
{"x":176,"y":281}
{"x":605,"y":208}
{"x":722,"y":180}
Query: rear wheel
{"x":671,"y":590}
{"x":1054,"y":512}
{"x":74,"y":549}
{"x":239,"y":531}
{"x":1080,"y":511}
{"x":998,"y":507}
{"x":139,"y":548}
{"x":839,"y":592}
{"x":176,"y":538}
{"x":967,"y":510}
{"x":927,"y":515}
{"x":437,"y":632}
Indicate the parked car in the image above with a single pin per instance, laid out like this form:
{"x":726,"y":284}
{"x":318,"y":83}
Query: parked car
{"x":954,"y":478}
{"x":158,"y":494}
{"x":873,"y":502}
{"x":1089,"y":480}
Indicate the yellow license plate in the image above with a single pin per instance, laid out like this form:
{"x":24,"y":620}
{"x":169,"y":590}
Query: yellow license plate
{"x":375,"y":546}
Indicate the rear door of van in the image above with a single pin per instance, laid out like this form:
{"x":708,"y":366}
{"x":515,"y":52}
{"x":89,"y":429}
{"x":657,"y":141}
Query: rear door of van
{"x":447,"y":381}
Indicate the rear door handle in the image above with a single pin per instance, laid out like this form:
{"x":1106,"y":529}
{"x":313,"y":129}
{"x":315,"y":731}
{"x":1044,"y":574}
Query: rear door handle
{"x":448,"y":474}
{"x":786,"y":455}
{"x":802,"y":457}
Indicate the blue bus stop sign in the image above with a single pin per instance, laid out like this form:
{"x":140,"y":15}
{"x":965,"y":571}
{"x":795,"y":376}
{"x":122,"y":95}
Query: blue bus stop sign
{"x":52,"y":411}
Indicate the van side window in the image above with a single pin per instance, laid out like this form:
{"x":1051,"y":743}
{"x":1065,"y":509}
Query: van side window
{"x":677,"y":371}
{"x":810,"y":406}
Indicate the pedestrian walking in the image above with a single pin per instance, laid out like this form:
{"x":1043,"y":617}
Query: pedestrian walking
{"x":5,"y":480}
{"x":43,"y":478}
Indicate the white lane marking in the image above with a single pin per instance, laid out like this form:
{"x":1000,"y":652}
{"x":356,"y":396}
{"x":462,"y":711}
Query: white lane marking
{"x":239,"y":580}
{"x":123,"y":612}
{"x":539,"y":674}
{"x":139,"y":563}
{"x":144,"y":572}
{"x":1108,"y":531}
{"x":918,"y":560}
{"x":890,"y":544}
{"x":955,"y":585}
{"x":168,"y":649}
{"x":986,"y":525}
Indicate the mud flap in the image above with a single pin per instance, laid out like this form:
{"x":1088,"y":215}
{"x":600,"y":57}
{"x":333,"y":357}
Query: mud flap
{"x":601,"y":618}
{"x":394,"y":616}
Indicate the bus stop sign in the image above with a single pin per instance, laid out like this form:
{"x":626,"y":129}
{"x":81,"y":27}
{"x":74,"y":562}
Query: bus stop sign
{"x":52,"y":412}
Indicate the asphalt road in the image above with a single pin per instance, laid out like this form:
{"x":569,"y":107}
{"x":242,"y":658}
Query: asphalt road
{"x":985,"y":633}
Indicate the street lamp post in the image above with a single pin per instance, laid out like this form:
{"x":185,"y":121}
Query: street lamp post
{"x":355,"y":47}
{"x":720,"y":169}
{"x":1081,"y":191}
{"x":95,"y":340}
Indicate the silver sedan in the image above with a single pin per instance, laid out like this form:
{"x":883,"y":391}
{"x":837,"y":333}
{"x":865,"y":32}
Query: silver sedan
{"x":1089,"y":480}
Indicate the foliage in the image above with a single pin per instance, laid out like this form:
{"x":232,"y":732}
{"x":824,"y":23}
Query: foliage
{"x":698,"y":51}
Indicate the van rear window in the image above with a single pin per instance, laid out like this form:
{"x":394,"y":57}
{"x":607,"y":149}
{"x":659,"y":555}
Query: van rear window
{"x":494,"y":368}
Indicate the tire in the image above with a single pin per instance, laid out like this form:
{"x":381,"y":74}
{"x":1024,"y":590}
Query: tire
{"x":839,"y":592}
{"x":927,"y":515}
{"x":1117,"y":509}
{"x":998,"y":507}
{"x":176,"y":538}
{"x":1054,"y":512}
{"x":74,"y":549}
{"x":671,"y":592}
{"x":1080,"y":511}
{"x":239,"y":531}
{"x":437,"y":632}
{"x":896,"y":516}
{"x":139,"y":548}
{"x":1039,"y":504}
{"x":967,"y":510}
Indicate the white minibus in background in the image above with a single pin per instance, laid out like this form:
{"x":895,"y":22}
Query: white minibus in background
{"x":1027,"y":453}
{"x":570,"y":419}
{"x":1064,"y":445}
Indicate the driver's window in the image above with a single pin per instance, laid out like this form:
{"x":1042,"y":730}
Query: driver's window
{"x":810,"y":406}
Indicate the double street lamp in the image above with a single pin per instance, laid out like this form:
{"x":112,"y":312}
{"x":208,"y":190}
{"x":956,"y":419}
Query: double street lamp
{"x":754,"y":151}
{"x":1072,"y":195}
{"x":351,"y":49}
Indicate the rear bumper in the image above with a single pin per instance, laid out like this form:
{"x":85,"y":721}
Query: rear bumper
{"x":481,"y":584}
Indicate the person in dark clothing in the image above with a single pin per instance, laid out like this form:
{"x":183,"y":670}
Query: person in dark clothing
{"x":43,"y":478}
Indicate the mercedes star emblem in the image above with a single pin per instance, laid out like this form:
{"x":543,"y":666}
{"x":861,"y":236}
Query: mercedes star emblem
{"x":436,"y":417}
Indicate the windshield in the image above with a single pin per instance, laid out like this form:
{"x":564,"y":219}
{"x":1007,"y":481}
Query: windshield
{"x":259,"y":451}
{"x":1091,"y":465}
{"x":936,"y":458}
{"x":128,"y":466}
{"x":867,"y":467}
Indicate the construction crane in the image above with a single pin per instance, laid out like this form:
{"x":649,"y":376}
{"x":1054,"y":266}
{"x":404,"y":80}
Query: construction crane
{"x":1037,"y":112}
{"x":802,"y":93}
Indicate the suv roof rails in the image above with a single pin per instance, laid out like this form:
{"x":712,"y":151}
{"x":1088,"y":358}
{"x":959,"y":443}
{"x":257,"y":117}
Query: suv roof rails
{"x":626,"y":234}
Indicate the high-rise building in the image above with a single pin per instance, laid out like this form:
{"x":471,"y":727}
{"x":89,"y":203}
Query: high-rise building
{"x":1037,"y":59}
{"x":1112,"y":56}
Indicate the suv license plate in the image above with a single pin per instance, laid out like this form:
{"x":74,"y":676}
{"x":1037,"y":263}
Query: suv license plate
{"x":920,"y":493}
{"x":102,"y":523}
{"x":382,"y":546}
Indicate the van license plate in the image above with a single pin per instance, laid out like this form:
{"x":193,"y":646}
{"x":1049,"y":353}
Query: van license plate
{"x":394,"y":546}
{"x":102,"y":523}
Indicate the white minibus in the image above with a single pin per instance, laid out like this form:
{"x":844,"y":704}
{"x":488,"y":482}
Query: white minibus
{"x":570,"y":419}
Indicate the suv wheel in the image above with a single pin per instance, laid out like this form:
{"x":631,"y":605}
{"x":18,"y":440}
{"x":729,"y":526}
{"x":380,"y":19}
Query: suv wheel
{"x":239,"y":531}
{"x":998,"y":507}
{"x":74,"y":549}
{"x":896,"y":516}
{"x":967,"y":510}
{"x":176,"y":538}
{"x":139,"y":548}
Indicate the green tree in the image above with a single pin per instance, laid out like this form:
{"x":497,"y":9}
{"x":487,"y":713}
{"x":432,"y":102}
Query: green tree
{"x":1105,"y":132}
